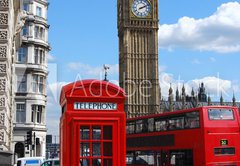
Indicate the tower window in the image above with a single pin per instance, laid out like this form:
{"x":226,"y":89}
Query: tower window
{"x":39,"y":11}
{"x":22,"y":55}
{"x":37,"y":112}
{"x":39,"y":32}
{"x":38,"y":84}
{"x":20,"y":113}
{"x":25,"y":30}
{"x":39,"y":56}
{"x":26,"y":7}
{"x":21,"y":83}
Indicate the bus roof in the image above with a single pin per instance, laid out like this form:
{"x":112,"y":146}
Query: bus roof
{"x":179,"y":112}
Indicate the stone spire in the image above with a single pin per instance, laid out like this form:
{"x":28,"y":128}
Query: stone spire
{"x":197,"y":101}
{"x":183,"y":97}
{"x":234,"y":100}
{"x":170,"y":98}
{"x":192,"y":92}
{"x":201,"y":93}
{"x":209,"y":100}
{"x":221,"y":100}
{"x":177,"y":95}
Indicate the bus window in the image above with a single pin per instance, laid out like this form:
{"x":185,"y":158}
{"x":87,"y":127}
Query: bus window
{"x":143,"y":158}
{"x":176,"y":123}
{"x":220,"y":114}
{"x":160,"y":125}
{"x":181,"y":157}
{"x":191,"y":120}
{"x":150,"y":125}
{"x":139,"y":126}
{"x":130,"y":127}
{"x":129,"y":157}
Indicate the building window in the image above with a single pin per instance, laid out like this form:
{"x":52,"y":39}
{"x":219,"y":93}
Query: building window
{"x":35,"y":83}
{"x":41,"y":84}
{"x":38,"y":84}
{"x":20,"y":113}
{"x":21,"y":83}
{"x":39,"y":11}
{"x":22,"y":55}
{"x":37,"y":112}
{"x":26,"y":7}
{"x":39,"y":32}
{"x":25,"y":30}
{"x":39,"y":56}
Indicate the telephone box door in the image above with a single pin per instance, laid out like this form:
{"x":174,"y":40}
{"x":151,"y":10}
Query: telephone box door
{"x":97,"y":144}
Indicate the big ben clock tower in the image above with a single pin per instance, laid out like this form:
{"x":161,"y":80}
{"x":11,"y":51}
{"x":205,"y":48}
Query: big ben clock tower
{"x":138,"y":55}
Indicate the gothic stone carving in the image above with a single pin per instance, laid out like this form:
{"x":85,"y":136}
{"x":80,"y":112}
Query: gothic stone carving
{"x":3,"y":35}
{"x":3,"y":51}
{"x":22,"y":16}
{"x":2,"y":117}
{"x":2,"y":102}
{"x":1,"y":136}
{"x":3,"y":18}
{"x":4,"y":3}
{"x":2,"y":84}
{"x":3,"y":68}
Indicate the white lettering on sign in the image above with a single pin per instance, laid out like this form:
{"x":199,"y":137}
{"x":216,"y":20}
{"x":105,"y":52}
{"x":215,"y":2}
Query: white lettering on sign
{"x":95,"y":106}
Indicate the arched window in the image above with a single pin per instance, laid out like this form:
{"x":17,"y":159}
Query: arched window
{"x":19,"y":149}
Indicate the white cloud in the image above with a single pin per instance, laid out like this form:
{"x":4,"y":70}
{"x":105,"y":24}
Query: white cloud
{"x":196,"y":61}
{"x":50,"y":58}
{"x":212,"y":59}
{"x":93,"y":71}
{"x":219,"y":32}
{"x":214,"y":86}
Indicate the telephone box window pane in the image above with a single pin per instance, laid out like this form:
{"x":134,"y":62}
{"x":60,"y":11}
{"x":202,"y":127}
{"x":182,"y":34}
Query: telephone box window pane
{"x":96,"y":133}
{"x":107,"y":132}
{"x":84,"y":133}
{"x":84,"y":149}
{"x":96,"y":149}
{"x":107,"y":147}
{"x":107,"y":162}
{"x":96,"y":162}
{"x":84,"y":162}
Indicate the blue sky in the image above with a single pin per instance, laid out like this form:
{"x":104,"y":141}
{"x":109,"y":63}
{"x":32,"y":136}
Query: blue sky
{"x":198,"y":41}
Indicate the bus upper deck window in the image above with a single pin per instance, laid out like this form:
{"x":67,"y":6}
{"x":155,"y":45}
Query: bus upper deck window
{"x":220,"y":114}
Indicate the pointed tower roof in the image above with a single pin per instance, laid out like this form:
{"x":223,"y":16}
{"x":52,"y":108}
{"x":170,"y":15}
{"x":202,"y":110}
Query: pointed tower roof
{"x":192,"y":93}
{"x":221,"y":99}
{"x":177,"y":95}
{"x":234,"y":100}
{"x":183,"y":90}
{"x":209,"y":100}
{"x":170,"y":89}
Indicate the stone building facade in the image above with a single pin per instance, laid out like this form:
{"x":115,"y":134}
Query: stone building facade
{"x":30,"y":80}
{"x":11,"y":20}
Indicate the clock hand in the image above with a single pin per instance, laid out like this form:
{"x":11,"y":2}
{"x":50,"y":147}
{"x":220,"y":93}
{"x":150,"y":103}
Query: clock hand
{"x":142,"y":7}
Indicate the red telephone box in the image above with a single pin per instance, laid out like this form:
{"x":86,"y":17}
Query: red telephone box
{"x":92,"y":125}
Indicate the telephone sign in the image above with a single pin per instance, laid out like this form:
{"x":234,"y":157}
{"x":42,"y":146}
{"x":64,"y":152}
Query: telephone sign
{"x":95,"y":106}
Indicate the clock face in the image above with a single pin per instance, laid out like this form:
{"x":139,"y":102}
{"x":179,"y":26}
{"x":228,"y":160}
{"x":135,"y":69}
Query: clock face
{"x":141,"y":8}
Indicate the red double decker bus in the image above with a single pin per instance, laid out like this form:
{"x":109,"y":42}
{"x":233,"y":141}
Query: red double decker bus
{"x":200,"y":136}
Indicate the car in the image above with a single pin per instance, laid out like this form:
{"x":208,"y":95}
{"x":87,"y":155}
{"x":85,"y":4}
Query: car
{"x":51,"y":162}
{"x":30,"y":161}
